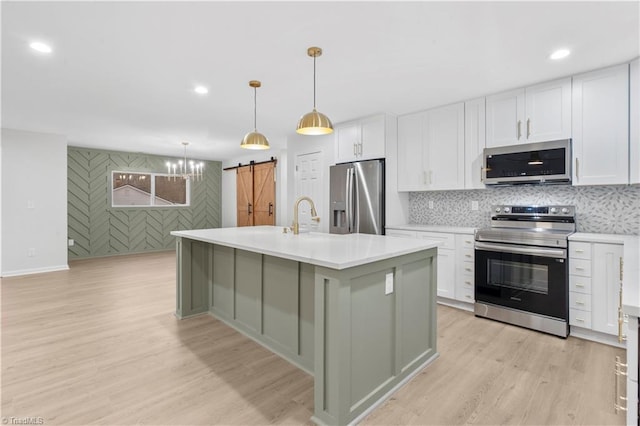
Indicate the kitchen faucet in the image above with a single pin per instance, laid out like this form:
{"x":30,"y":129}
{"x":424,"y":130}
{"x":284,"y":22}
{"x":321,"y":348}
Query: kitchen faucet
{"x":314,"y":213}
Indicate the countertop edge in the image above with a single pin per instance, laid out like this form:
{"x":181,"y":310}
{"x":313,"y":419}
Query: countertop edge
{"x":424,"y":245}
{"x":434,"y":228}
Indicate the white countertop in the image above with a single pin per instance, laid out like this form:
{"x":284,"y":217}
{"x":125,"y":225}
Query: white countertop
{"x":631,"y":268}
{"x":328,"y":250}
{"x":433,"y":228}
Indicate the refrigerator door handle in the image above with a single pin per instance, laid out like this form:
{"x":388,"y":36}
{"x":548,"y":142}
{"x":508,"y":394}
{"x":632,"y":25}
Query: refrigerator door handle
{"x":349,"y":198}
{"x":356,"y":201}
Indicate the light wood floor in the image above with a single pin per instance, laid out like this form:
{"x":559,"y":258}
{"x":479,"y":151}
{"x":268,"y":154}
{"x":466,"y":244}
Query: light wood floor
{"x":99,"y":344}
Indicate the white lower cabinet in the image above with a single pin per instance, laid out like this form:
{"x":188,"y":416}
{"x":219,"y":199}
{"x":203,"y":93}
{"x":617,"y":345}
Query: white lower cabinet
{"x":465,"y":290}
{"x":594,"y":285}
{"x":627,"y":376}
{"x":455,"y":262}
{"x":446,"y":261}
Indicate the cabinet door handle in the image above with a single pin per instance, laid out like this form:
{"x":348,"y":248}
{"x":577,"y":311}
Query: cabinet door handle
{"x":528,"y":127}
{"x":270,"y":209}
{"x":355,"y":149}
{"x":621,"y":272}
{"x":430,"y":177}
{"x":360,"y":148}
{"x":249,"y":208}
{"x":577,"y":169}
{"x":424,"y":177}
{"x":518,"y":132}
{"x":619,"y":398}
{"x":621,"y":337}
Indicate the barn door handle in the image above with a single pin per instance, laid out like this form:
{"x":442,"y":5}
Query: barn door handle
{"x":270,"y":209}
{"x":249,"y":208}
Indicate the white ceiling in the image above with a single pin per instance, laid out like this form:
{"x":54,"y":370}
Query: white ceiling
{"x":121,"y":75}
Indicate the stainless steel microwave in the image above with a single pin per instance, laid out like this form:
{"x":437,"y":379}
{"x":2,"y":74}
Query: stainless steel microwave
{"x":541,"y":162}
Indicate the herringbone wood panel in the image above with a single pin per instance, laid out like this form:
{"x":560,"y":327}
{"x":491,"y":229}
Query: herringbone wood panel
{"x":99,"y":230}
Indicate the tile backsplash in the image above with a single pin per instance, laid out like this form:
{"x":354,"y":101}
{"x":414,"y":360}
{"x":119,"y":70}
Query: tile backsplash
{"x":613,"y":209}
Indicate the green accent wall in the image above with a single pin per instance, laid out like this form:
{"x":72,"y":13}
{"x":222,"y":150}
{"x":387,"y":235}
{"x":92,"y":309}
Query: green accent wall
{"x":101,"y":230}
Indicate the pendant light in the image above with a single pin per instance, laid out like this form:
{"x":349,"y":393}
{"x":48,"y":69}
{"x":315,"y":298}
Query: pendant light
{"x":254,"y":140}
{"x":314,"y":122}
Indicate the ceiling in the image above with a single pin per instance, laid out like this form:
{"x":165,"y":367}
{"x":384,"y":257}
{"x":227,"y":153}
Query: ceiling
{"x":121,"y":74}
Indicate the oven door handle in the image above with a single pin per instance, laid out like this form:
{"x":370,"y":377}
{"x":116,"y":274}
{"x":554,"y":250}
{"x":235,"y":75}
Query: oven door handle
{"x":533,"y":251}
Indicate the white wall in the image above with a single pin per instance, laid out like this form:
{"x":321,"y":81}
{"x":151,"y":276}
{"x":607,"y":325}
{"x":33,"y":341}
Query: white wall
{"x":229,"y":217}
{"x":34,"y":202}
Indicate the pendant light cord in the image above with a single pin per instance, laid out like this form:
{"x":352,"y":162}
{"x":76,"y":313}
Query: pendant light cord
{"x":314,"y":82}
{"x":255,"y":124}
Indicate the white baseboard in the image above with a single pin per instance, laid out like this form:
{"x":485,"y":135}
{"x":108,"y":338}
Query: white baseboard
{"x":34,"y":271}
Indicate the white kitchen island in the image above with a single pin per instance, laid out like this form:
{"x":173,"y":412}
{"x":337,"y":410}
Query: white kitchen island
{"x":357,"y":311}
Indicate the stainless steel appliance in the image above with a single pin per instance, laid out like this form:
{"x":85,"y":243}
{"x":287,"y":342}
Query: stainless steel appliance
{"x":522,"y":270}
{"x":357,"y":198}
{"x":542,"y":162}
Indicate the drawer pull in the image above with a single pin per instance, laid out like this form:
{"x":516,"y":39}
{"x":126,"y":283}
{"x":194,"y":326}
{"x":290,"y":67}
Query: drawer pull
{"x":468,"y":282}
{"x":579,"y":303}
{"x":579,"y":320}
{"x":467,"y":296}
{"x":579,"y":268}
{"x":579,"y":251}
{"x":468,"y":269}
{"x":467,"y":255}
{"x":580,"y":285}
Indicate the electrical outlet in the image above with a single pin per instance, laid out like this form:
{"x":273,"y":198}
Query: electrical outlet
{"x":71,"y":242}
{"x":474,"y":205}
{"x":430,"y":204}
{"x":388,"y":283}
{"x":31,"y":252}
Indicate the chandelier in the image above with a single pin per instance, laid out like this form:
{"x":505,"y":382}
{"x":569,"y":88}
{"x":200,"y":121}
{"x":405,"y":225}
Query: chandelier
{"x":185,"y":169}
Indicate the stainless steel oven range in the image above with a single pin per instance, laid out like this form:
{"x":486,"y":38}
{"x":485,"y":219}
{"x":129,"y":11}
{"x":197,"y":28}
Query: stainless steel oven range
{"x":522,"y":271}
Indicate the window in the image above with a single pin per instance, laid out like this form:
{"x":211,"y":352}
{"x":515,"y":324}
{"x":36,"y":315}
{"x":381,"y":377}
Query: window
{"x":133,"y":189}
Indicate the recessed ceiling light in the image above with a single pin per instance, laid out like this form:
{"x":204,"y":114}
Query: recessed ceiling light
{"x":40,"y":47}
{"x":560,"y":54}
{"x":201,"y":90}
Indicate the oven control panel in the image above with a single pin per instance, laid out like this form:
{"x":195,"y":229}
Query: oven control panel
{"x":534,"y":211}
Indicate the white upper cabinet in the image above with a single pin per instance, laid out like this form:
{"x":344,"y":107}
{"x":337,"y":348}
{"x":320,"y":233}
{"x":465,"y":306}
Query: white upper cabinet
{"x":533,"y":114}
{"x":634,"y":123}
{"x":431,"y":149}
{"x":600,"y":107}
{"x":445,"y":147}
{"x":360,"y":140}
{"x":411,"y":176}
{"x":474,"y":142}
{"x":505,"y":112}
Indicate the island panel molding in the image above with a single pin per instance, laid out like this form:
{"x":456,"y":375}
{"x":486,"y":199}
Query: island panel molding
{"x":101,"y":230}
{"x":359,"y":338}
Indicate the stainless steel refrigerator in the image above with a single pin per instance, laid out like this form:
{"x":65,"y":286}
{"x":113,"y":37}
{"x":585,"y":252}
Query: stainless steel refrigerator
{"x":357,"y":198}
